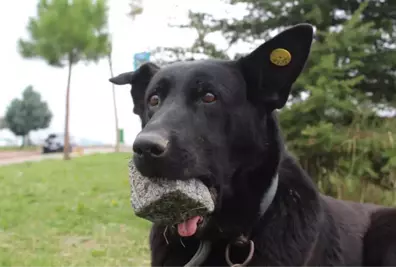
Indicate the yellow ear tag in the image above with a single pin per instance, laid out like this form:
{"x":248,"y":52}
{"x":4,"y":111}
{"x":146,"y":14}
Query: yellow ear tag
{"x":280,"y":57}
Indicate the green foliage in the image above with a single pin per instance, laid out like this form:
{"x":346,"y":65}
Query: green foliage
{"x":264,"y":16}
{"x":339,"y":131}
{"x":67,"y":31}
{"x":331,"y":122}
{"x":28,"y":114}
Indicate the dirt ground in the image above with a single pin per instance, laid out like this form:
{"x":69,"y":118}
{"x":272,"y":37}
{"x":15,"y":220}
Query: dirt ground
{"x":10,"y":157}
{"x":16,"y":154}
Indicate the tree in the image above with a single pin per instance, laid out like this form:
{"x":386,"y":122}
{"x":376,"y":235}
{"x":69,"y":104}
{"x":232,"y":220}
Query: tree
{"x":27,"y":114}
{"x":135,"y":8}
{"x":64,"y":33}
{"x":264,"y":16}
{"x":331,"y":122}
{"x":335,"y":115}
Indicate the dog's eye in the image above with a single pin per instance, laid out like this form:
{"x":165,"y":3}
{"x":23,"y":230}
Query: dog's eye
{"x":208,"y":98}
{"x":154,"y":100}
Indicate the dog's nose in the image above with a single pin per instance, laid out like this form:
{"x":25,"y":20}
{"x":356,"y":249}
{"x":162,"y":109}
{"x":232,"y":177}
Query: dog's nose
{"x":150,"y":145}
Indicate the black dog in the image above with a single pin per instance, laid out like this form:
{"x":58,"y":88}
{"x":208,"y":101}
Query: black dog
{"x":215,"y":120}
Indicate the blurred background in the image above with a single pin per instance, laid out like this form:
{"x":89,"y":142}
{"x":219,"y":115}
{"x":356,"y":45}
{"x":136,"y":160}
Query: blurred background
{"x":91,"y":96}
{"x":57,"y":57}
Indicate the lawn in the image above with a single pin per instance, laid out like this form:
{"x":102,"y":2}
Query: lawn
{"x":74,"y":213}
{"x":18,"y":148}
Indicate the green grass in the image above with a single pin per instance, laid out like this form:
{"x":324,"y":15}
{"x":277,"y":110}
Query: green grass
{"x":70,"y":213}
{"x":18,"y":148}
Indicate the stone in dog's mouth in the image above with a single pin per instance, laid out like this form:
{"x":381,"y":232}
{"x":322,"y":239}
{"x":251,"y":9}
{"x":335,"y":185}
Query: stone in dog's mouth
{"x":183,"y":204}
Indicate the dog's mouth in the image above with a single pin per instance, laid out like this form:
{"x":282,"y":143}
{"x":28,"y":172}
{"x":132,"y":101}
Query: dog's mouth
{"x":183,"y":206}
{"x":197,"y":224}
{"x":191,"y":226}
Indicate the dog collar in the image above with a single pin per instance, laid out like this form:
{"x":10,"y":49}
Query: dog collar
{"x":205,"y":246}
{"x":269,"y":195}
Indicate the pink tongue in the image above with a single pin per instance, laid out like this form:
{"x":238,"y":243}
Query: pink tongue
{"x":189,"y":227}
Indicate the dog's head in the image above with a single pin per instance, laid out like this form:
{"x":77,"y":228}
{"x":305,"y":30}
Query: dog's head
{"x":207,"y":119}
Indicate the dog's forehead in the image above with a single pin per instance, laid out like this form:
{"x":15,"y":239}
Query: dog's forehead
{"x":214,"y":70}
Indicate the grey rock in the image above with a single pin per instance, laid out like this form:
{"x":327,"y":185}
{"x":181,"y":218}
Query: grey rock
{"x":168,"y":201}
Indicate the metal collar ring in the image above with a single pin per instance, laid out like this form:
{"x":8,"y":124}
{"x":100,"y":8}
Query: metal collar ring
{"x":247,"y":260}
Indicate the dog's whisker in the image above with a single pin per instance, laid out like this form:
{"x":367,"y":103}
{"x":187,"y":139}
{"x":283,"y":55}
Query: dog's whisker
{"x":181,"y":242}
{"x":164,"y":233}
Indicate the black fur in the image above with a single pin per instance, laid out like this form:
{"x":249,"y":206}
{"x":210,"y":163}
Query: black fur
{"x":234,"y":145}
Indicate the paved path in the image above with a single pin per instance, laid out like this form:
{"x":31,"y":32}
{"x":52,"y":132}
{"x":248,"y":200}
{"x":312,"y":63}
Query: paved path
{"x":11,"y":157}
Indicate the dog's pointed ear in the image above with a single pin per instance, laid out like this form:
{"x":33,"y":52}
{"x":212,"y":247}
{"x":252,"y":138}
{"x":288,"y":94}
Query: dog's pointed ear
{"x":271,"y":69}
{"x":139,"y":81}
{"x":123,"y":78}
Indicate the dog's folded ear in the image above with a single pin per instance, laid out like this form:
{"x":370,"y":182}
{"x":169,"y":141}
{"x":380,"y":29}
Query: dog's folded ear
{"x":272,"y":68}
{"x":139,"y":81}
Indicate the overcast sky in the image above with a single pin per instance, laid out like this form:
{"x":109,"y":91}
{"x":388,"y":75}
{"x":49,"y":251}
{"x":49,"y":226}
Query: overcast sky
{"x":91,"y":98}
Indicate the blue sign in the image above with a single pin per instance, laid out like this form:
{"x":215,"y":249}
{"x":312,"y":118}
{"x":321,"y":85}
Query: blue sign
{"x":140,"y":58}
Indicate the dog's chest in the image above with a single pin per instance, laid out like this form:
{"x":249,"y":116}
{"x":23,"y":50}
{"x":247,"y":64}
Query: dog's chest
{"x":218,"y":258}
{"x":235,"y":256}
{"x":218,"y":255}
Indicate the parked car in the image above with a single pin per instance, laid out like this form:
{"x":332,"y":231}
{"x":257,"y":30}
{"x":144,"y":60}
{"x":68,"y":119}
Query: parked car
{"x":55,"y":143}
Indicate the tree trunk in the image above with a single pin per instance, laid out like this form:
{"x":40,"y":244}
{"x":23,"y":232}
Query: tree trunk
{"x":28,"y":140}
{"x":66,"y":153}
{"x":117,"y":146}
{"x":363,"y":188}
{"x":340,"y":190}
{"x":23,"y":141}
